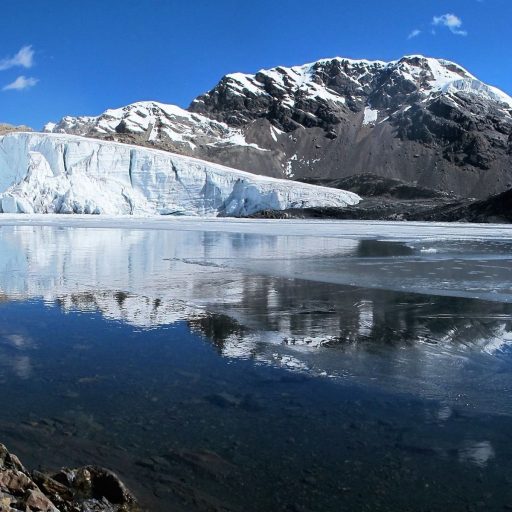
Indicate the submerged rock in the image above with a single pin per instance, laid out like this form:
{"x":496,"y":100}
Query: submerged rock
{"x":86,"y":489}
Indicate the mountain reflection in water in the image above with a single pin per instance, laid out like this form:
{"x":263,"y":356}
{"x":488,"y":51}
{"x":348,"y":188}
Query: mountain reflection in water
{"x":236,"y":371}
{"x":256,"y":296}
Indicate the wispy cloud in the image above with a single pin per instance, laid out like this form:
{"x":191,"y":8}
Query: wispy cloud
{"x":24,"y":58}
{"x":452,"y":22}
{"x":20,"y":84}
{"x":414,"y":33}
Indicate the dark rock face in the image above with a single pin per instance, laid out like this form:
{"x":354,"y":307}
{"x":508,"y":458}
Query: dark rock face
{"x":496,"y":209}
{"x":449,"y":140}
{"x":8,"y":128}
{"x":87,"y":489}
{"x":427,"y":122}
{"x":370,"y":185}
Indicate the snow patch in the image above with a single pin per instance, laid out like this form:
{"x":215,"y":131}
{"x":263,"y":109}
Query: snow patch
{"x":288,"y":168}
{"x":275,"y":132}
{"x":370,"y":116}
{"x":473,"y":86}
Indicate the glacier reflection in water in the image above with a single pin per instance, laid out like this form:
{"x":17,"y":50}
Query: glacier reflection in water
{"x":323,"y":305}
{"x":346,"y":364}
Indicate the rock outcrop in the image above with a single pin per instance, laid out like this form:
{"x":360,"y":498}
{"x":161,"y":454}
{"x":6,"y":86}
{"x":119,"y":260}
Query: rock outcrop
{"x":9,"y":128}
{"x":86,"y":489}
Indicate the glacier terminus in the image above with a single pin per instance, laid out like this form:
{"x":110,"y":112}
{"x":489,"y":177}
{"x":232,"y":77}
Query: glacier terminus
{"x":56,"y":173}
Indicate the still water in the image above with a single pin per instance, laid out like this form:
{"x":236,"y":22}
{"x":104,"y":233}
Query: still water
{"x":252,"y":371}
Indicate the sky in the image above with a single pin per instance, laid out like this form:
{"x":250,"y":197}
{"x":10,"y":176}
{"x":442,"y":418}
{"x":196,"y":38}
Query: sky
{"x":73,"y":57}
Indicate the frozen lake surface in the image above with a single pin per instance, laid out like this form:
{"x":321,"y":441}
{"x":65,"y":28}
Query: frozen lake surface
{"x":263,"y":365}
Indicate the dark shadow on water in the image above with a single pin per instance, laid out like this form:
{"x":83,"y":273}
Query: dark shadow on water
{"x":378,"y":248}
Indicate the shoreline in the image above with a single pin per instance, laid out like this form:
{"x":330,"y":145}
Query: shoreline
{"x":84,"y":488}
{"x":372,"y":229}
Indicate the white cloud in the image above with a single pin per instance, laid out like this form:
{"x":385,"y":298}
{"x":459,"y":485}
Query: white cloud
{"x":451,"y":22}
{"x":24,"y":58}
{"x":414,"y":33}
{"x":21,"y":83}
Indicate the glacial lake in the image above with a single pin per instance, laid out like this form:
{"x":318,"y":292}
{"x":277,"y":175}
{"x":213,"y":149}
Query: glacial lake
{"x":298,"y":366}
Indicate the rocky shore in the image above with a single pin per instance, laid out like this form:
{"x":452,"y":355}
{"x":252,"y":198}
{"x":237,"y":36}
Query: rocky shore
{"x":85,"y":489}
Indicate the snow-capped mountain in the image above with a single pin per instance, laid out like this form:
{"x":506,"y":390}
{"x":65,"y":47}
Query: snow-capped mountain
{"x":154,"y":121}
{"x":50,"y":173}
{"x":422,"y":120}
{"x":359,"y":84}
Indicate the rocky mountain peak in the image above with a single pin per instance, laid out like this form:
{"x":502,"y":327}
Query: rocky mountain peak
{"x":313,"y":94}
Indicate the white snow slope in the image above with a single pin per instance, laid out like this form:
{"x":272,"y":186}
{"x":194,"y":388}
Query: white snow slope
{"x":54,"y":173}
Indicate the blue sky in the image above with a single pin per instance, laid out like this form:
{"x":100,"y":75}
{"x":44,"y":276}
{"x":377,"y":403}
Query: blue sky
{"x":60,"y":57}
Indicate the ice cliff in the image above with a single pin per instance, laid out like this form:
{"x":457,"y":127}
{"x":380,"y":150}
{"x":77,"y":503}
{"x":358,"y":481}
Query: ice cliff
{"x":56,"y":173}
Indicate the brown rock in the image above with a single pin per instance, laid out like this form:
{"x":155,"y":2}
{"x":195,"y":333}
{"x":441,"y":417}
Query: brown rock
{"x":5,"y":502}
{"x":57,"y":491}
{"x":9,"y":461}
{"x":36,"y":501}
{"x":70,"y":490}
{"x":15,"y":482}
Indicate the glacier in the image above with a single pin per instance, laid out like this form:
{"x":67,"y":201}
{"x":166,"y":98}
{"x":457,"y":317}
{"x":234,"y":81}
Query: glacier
{"x":57,"y":173}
